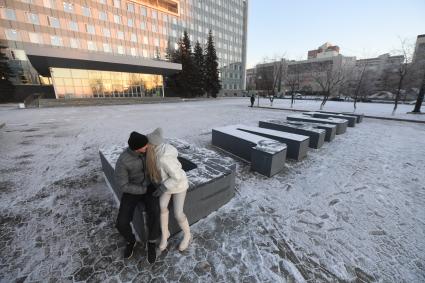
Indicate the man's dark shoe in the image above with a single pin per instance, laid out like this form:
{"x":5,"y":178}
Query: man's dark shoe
{"x":151,"y":252}
{"x":129,"y":248}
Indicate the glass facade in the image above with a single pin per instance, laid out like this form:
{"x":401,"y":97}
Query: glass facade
{"x":77,"y":83}
{"x":138,"y":28}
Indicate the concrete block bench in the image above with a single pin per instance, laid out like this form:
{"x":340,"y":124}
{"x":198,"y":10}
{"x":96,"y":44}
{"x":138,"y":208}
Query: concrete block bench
{"x":359,"y":117}
{"x":297,"y":145}
{"x":317,"y":136}
{"x":351,"y":120}
{"x":211,"y":183}
{"x":267,"y":156}
{"x":341,"y":125}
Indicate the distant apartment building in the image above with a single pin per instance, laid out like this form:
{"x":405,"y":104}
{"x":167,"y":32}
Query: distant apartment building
{"x":116,"y":48}
{"x":326,"y":59}
{"x":324,"y":51}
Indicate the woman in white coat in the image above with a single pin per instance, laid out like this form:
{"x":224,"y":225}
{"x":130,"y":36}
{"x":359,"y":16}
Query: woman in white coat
{"x":166,"y":171}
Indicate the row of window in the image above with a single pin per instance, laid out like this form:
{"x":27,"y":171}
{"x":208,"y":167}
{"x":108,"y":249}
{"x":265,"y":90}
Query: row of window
{"x":12,"y":34}
{"x":89,"y":28}
{"x":75,"y":43}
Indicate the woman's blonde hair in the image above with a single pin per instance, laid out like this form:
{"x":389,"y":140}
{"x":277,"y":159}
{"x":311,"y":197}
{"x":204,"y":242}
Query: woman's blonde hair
{"x":151,"y":163}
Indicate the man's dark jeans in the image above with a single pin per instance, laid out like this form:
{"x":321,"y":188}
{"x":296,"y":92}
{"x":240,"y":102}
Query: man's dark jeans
{"x":127,"y":207}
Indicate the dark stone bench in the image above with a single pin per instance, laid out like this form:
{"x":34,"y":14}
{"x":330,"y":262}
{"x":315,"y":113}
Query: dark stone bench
{"x":317,"y":136}
{"x":351,"y":120}
{"x":297,"y":145}
{"x":341,"y":125}
{"x":211,"y":183}
{"x":267,"y":156}
{"x":359,"y":117}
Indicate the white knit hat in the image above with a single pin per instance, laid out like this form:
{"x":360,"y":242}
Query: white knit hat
{"x":156,"y":137}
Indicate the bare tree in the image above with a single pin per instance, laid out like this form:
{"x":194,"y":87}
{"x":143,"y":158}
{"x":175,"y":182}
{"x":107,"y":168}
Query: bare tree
{"x":358,"y":83}
{"x":420,"y":68}
{"x":329,"y":78}
{"x":402,"y":70}
{"x":293,"y":80}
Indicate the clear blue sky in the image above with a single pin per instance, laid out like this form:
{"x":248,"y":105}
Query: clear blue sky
{"x":362,"y":28}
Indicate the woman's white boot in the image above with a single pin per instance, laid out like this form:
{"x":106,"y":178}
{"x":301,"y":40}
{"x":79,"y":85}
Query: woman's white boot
{"x":164,"y":229}
{"x":184,"y":225}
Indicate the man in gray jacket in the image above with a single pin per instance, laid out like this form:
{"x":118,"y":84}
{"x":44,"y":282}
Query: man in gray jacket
{"x":131,"y":177}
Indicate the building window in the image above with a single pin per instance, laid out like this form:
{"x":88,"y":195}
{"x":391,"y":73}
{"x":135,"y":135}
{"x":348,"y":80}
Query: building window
{"x":35,"y":38}
{"x":12,"y":34}
{"x":145,"y":53}
{"x":130,"y":7}
{"x":102,"y":1}
{"x":106,"y":32}
{"x":145,"y":39}
{"x":130,"y":22}
{"x":133,"y":51}
{"x":56,"y":40}
{"x":10,"y":14}
{"x":120,"y":35}
{"x":120,"y":49}
{"x":154,"y":28}
{"x":165,"y":18}
{"x":117,"y":19}
{"x":86,"y":11}
{"x":107,"y":48}
{"x":117,"y":3}
{"x":74,"y":43}
{"x":33,"y":18}
{"x":90,"y":29}
{"x":53,"y":22}
{"x":91,"y":46}
{"x":156,"y":42}
{"x":143,"y":11}
{"x":103,"y":16}
{"x":68,"y":7}
{"x":133,"y":37}
{"x":164,"y":30}
{"x":143,"y":25}
{"x":73,"y":26}
{"x":49,"y":3}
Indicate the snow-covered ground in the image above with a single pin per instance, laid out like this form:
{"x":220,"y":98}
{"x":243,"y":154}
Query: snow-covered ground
{"x":370,"y":109}
{"x":352,"y":210}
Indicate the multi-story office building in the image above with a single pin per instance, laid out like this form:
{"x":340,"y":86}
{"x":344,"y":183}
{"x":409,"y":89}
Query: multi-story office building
{"x":104,"y":48}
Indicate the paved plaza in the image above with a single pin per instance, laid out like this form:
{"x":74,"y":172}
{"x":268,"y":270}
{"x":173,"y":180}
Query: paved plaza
{"x":351,"y":211}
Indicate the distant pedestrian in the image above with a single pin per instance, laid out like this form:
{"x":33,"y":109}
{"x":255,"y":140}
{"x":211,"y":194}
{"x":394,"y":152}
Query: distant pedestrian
{"x":271,"y":97}
{"x":252,"y":100}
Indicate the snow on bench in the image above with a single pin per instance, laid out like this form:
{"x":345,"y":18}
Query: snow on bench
{"x":267,"y":156}
{"x":351,"y":119}
{"x":317,"y":136}
{"x":297,"y":145}
{"x":341,"y":125}
{"x":358,"y":116}
{"x":211,"y":183}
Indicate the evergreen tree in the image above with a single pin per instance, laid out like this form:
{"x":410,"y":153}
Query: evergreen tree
{"x":6,"y":87}
{"x":170,"y":80}
{"x":183,"y":80}
{"x":199,"y":73}
{"x":212,"y":81}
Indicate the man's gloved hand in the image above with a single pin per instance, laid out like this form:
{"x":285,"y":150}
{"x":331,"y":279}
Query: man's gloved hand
{"x":159,"y":190}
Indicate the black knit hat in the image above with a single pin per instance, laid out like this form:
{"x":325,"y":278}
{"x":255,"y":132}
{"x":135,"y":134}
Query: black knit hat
{"x":136,"y":141}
